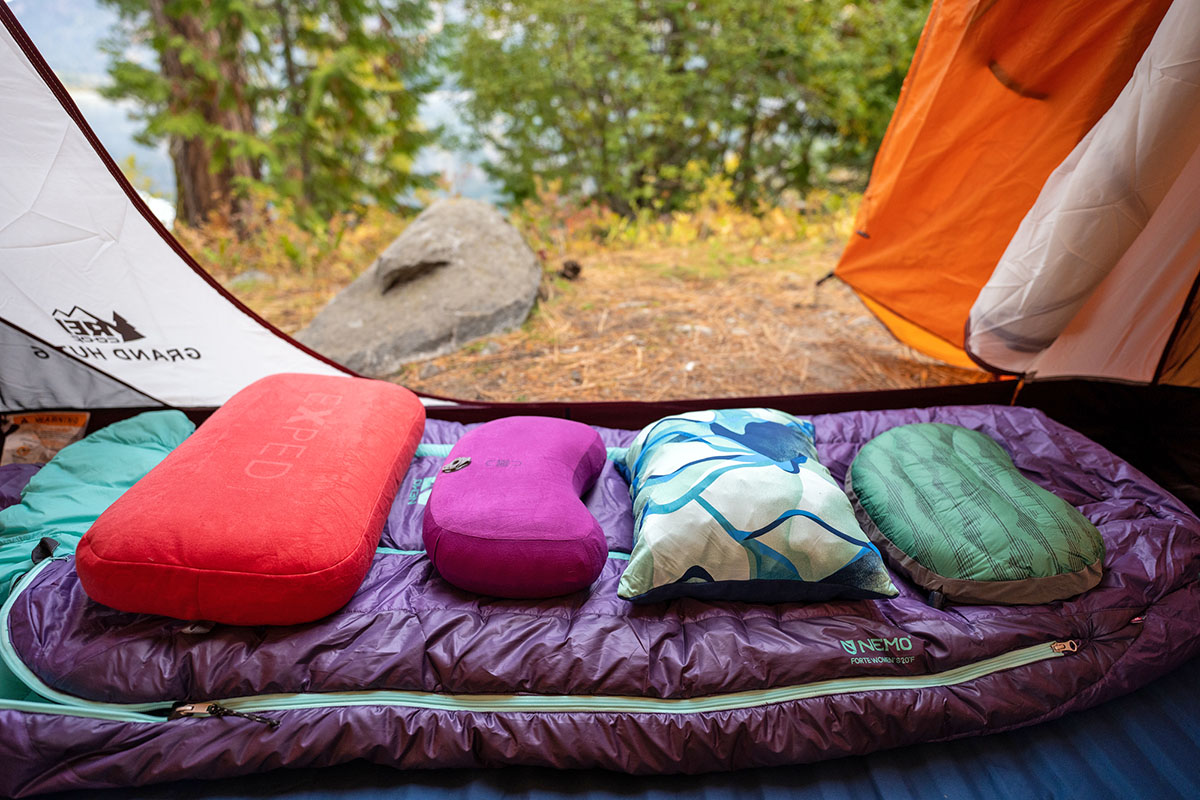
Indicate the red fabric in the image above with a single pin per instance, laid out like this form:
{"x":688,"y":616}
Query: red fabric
{"x":269,"y":514}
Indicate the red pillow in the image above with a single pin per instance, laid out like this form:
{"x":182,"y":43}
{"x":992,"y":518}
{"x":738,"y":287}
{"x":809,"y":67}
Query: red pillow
{"x":269,"y":514}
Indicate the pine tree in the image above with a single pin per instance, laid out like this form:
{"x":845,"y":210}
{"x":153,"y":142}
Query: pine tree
{"x":636,"y":103}
{"x":354,"y":74}
{"x":125,"y":328}
{"x":311,"y":103}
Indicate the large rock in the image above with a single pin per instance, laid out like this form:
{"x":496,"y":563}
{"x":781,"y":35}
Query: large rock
{"x":457,"y":273}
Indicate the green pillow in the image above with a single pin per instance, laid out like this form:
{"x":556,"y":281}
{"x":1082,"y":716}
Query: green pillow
{"x":949,"y":509}
{"x":733,"y":505}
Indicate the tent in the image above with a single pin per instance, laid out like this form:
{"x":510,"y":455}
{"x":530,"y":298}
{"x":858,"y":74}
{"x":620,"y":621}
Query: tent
{"x":100,"y":307}
{"x":1046,"y":228}
{"x":102,"y":310}
{"x":998,"y":95}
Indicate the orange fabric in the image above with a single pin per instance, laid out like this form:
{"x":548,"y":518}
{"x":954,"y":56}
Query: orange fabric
{"x":998,"y":94}
{"x":920,"y":339}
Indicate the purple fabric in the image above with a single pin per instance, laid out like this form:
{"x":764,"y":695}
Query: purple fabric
{"x":507,"y":521}
{"x":408,"y":629}
{"x":13,"y":478}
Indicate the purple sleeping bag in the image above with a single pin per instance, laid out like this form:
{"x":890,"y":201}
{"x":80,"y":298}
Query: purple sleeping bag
{"x":413,"y":672}
{"x":13,"y":478}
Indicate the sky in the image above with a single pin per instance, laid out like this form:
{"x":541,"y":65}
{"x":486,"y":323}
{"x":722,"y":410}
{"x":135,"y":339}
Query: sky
{"x":68,"y":34}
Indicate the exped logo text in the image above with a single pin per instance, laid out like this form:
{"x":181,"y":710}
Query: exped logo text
{"x":84,"y":326}
{"x":302,"y":426}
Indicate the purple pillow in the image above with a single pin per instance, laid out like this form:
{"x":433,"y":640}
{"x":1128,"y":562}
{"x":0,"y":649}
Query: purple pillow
{"x":505,"y":517}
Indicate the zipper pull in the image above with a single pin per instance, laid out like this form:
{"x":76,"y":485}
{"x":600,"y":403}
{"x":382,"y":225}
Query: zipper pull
{"x":181,"y":710}
{"x":1069,"y":646}
{"x":218,"y":710}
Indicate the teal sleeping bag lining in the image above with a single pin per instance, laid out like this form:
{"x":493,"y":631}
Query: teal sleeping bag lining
{"x":65,"y":497}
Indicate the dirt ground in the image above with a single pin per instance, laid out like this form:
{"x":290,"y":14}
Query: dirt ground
{"x":651,"y":325}
{"x":661,"y":323}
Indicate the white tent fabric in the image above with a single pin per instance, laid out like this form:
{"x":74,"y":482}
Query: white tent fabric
{"x":1148,"y":287}
{"x":1100,"y":268}
{"x":84,"y":270}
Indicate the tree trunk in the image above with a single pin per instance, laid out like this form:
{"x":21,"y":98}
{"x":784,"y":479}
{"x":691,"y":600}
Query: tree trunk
{"x":744,"y":177}
{"x":295,"y":100}
{"x":203,"y":189}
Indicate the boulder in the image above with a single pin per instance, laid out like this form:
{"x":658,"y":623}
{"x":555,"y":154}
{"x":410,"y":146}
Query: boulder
{"x":459,"y":272}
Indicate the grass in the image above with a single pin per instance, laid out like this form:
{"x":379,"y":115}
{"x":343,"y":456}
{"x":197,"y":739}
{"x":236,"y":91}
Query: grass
{"x":285,"y":273}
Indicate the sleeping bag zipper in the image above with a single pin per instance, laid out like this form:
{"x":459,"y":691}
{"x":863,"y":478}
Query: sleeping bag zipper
{"x":218,"y":710}
{"x":253,"y":707}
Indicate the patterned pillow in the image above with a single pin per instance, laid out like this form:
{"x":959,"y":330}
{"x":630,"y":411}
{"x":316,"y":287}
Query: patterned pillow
{"x":733,"y":505}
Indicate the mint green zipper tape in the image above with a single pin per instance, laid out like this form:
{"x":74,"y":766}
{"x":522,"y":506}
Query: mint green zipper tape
{"x":8,"y":654}
{"x":499,"y":703}
{"x":611,"y":704}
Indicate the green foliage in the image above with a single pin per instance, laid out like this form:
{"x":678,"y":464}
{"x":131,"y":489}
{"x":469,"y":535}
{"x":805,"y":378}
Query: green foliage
{"x":637,"y":103}
{"x":318,"y":97}
{"x":346,"y":115}
{"x":132,"y":171}
{"x":714,"y":230}
{"x":273,"y":243}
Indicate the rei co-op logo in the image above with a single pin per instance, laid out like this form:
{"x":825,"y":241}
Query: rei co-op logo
{"x":84,"y":326}
{"x":100,"y":338}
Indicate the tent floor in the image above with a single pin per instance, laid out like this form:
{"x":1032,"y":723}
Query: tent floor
{"x":1144,"y":745}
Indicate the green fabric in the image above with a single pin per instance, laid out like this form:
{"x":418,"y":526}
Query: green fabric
{"x":11,"y":687}
{"x":64,"y":498}
{"x":951,"y":499}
